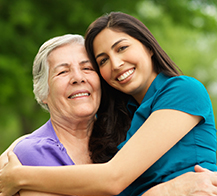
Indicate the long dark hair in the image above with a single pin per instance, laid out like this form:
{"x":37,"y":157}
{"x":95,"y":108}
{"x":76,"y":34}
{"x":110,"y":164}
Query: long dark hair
{"x":122,"y":22}
{"x":111,"y":126}
{"x":113,"y":117}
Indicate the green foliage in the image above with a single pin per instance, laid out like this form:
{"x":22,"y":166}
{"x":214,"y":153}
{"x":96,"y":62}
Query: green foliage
{"x":185,"y":29}
{"x":25,"y":25}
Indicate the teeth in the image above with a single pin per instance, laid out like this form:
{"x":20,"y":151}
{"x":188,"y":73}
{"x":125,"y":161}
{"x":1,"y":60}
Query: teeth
{"x":79,"y":95}
{"x":125,"y":75}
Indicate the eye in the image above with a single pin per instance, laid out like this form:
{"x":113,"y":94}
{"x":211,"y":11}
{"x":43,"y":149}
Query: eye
{"x":103,"y":61}
{"x":122,"y":48}
{"x":86,"y":65}
{"x":88,"y":68}
{"x":62,"y":72}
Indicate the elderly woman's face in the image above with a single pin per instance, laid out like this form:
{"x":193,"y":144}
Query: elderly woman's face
{"x":74,"y":86}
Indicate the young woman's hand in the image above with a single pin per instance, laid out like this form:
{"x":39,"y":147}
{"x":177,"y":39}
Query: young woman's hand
{"x":3,"y":160}
{"x":4,"y":157}
{"x":9,"y":184}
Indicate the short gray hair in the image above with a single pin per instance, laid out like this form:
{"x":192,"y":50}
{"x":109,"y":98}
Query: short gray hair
{"x":41,"y":67}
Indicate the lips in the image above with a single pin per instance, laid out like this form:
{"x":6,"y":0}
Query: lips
{"x":125,"y":75}
{"x":80,"y":94}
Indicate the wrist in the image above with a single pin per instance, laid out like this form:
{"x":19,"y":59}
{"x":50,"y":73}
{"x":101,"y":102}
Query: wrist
{"x":20,"y":180}
{"x":177,"y":186}
{"x":160,"y":189}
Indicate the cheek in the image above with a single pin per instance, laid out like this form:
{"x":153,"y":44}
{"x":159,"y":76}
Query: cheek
{"x":57,"y":87}
{"x":94,"y":82}
{"x":105,"y":73}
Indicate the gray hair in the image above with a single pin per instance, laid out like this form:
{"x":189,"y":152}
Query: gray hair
{"x":41,"y":67}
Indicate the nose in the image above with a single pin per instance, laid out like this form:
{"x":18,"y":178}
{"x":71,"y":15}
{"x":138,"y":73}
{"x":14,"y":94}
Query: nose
{"x":77,"y":76}
{"x":116,"y":62}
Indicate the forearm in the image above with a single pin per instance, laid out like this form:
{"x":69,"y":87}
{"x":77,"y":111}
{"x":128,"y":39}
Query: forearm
{"x":160,"y":189}
{"x":67,"y":180}
{"x":200,"y":183}
{"x":35,"y":193}
{"x":183,"y":185}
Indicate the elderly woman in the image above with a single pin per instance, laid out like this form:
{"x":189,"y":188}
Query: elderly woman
{"x":66,"y":84}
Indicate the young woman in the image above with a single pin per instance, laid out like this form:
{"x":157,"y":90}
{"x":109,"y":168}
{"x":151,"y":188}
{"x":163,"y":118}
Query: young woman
{"x":169,"y":109}
{"x":172,"y":127}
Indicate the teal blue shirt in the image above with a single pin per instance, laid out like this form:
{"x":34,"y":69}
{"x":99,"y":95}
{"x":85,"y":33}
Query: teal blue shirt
{"x":185,"y":94}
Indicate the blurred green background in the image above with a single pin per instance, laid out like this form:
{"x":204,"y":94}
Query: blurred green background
{"x":186,"y":30}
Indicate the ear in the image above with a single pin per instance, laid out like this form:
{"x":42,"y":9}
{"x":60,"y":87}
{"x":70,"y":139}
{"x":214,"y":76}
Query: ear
{"x":44,"y":101}
{"x":151,"y":52}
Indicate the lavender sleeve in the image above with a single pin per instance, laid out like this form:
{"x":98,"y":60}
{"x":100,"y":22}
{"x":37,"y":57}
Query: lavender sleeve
{"x":41,"y":153}
{"x":42,"y":148}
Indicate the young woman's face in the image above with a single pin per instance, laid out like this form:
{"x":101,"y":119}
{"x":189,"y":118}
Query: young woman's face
{"x":74,"y":85}
{"x":124,"y":62}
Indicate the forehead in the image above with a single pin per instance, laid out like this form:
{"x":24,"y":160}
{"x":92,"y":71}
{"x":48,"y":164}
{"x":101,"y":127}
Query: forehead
{"x":72,"y":52}
{"x":112,"y":34}
{"x":107,"y":37}
{"x":74,"y":49}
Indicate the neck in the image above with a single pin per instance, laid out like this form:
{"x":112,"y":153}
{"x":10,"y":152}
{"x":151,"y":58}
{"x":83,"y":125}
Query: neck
{"x":76,"y":128}
{"x":75,"y":135}
{"x":138,"y":96}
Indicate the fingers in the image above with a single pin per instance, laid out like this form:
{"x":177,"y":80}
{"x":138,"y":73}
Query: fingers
{"x":3,"y":160}
{"x":5,"y":157}
{"x":213,"y":175}
{"x":7,"y":187}
{"x":13,"y":158}
{"x":10,"y":155}
{"x":198,"y":168}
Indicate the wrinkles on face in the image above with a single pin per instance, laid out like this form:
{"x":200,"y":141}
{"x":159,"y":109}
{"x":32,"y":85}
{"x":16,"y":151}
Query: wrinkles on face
{"x":74,"y":85}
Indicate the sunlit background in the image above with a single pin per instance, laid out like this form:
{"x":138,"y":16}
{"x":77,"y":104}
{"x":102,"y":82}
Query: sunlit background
{"x":186,"y":30}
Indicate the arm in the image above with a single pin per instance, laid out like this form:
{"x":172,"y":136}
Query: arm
{"x":118,"y":173}
{"x":191,"y":183}
{"x":34,"y":193}
{"x":3,"y":157}
{"x":203,"y":182}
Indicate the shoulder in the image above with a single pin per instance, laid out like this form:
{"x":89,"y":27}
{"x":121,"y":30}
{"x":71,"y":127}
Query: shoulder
{"x":183,"y":93}
{"x":185,"y":86}
{"x":185,"y":83}
{"x":32,"y":151}
{"x":42,"y":148}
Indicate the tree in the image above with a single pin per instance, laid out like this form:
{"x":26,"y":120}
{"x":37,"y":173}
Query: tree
{"x":185,"y":29}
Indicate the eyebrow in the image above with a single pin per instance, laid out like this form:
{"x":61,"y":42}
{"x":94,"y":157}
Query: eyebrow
{"x":61,"y":65}
{"x":67,"y":65}
{"x":115,"y":44}
{"x":84,"y":61}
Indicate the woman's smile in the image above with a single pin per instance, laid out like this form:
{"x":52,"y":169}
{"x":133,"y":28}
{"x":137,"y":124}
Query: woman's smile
{"x":79,"y":95}
{"x":123,"y":77}
{"x":124,"y":62}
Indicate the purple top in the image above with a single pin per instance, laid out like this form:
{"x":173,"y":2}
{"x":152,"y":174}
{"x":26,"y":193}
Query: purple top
{"x":42,"y":148}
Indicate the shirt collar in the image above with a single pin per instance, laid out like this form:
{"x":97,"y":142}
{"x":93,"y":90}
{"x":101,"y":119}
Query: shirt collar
{"x":132,"y":104}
